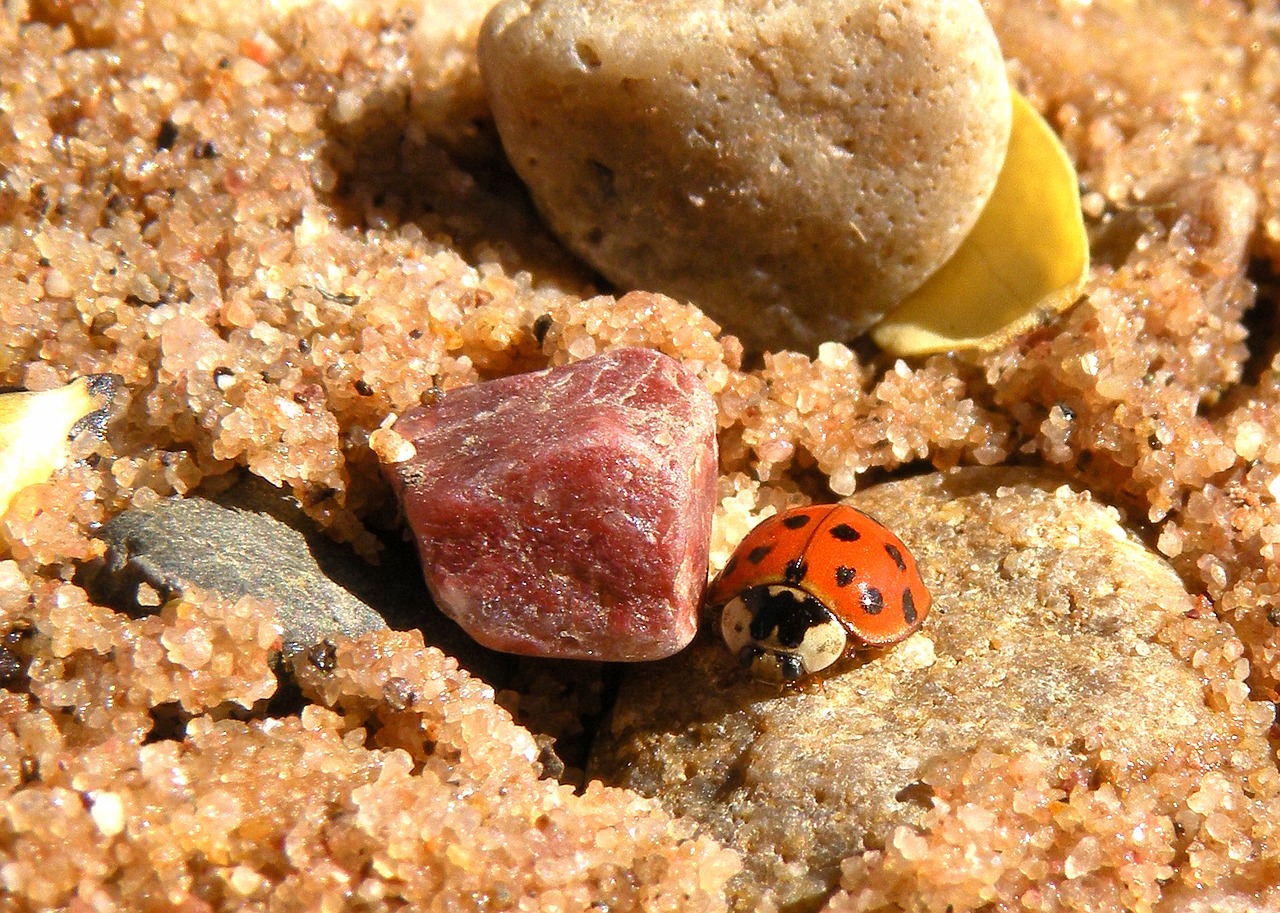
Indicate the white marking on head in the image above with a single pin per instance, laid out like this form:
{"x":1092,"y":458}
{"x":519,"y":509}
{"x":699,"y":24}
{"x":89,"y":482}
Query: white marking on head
{"x":798,"y":635}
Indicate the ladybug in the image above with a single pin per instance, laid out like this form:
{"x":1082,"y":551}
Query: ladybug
{"x":811,"y":585}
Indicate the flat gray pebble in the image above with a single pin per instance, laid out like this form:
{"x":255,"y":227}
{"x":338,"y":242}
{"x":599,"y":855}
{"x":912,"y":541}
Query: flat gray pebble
{"x":255,"y":540}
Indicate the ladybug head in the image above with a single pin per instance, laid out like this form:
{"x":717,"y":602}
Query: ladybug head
{"x":781,"y":633}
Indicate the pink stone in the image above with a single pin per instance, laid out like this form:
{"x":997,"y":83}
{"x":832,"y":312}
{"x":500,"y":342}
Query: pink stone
{"x":567,"y":512}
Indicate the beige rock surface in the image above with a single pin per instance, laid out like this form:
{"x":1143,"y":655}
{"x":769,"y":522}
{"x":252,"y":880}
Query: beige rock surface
{"x":1043,"y":641}
{"x":793,"y":168}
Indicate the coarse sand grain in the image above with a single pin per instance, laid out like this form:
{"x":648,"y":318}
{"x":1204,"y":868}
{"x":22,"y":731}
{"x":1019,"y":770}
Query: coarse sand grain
{"x":281,"y":223}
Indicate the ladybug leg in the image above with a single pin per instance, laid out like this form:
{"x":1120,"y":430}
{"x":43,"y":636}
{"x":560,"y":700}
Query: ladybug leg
{"x":813,"y":684}
{"x":806,"y":684}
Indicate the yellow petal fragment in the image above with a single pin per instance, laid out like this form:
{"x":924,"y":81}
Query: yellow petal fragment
{"x":1025,"y":260}
{"x":35,"y":428}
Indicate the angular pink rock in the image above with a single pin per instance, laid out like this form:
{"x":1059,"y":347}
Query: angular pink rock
{"x":567,"y":512}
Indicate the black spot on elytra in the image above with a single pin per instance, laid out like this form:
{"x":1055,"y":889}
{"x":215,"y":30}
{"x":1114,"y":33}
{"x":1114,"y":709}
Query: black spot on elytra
{"x":759,"y":553}
{"x":796,"y":521}
{"x":730,"y":566}
{"x":896,"y":555}
{"x":795,"y":570}
{"x":909,"y":607}
{"x":845,"y":533}
{"x":872,"y":600}
{"x":791,"y":616}
{"x":845,"y":575}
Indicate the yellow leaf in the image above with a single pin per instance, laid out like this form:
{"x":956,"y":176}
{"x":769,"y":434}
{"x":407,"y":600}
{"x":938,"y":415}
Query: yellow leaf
{"x":35,"y":427}
{"x":1025,"y":260}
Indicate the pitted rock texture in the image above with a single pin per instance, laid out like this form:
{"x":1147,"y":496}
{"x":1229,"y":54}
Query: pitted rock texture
{"x":567,"y":512}
{"x":1043,"y":640}
{"x":793,"y":168}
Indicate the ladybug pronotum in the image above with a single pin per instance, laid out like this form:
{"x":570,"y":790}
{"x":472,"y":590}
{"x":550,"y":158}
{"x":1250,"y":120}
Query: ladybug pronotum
{"x":809,"y":586}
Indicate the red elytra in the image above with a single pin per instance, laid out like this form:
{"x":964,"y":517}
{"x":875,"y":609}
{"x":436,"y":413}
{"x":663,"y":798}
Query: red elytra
{"x":793,"y":566}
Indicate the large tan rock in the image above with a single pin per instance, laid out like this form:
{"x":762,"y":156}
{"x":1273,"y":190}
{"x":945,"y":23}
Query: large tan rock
{"x":1043,"y":642}
{"x":794,"y":168}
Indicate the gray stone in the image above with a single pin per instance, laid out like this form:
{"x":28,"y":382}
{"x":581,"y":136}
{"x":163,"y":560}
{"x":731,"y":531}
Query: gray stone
{"x":1042,"y":639}
{"x":255,"y":540}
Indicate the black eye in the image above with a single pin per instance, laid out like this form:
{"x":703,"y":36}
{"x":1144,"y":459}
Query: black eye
{"x":749,"y":654}
{"x":790,"y":666}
